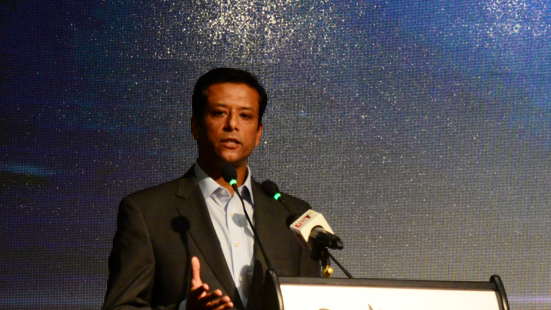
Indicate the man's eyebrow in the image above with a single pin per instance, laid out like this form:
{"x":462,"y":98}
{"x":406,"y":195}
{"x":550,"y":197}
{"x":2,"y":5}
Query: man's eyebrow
{"x":217,"y":104}
{"x":223,"y":105}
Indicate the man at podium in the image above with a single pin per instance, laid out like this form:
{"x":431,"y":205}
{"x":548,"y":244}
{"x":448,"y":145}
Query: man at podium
{"x":186,"y":244}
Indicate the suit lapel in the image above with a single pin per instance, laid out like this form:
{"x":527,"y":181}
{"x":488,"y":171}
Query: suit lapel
{"x":263,"y":222}
{"x":202,"y":232}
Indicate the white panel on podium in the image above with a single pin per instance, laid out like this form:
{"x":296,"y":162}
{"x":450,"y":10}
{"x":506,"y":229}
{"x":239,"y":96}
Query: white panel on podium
{"x":368,"y":295}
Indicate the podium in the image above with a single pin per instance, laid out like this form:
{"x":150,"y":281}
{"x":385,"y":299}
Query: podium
{"x":286,"y":293}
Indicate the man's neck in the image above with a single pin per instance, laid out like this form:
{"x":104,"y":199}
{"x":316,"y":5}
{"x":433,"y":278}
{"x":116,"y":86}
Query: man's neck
{"x":214,"y":171}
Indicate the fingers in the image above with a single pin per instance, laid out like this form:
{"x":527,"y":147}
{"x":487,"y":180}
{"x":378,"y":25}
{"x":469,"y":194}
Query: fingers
{"x":198,"y":288}
{"x":210,"y":301}
{"x":196,"y":273}
{"x":198,"y":293}
{"x":199,"y":297}
{"x":210,"y":298}
{"x":214,"y":301}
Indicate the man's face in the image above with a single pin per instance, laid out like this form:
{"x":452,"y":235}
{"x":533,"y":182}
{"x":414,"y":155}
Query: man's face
{"x":229,"y":130}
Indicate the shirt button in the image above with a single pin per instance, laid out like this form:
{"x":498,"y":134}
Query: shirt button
{"x":240,"y":279}
{"x":232,"y":214}
{"x":237,"y":244}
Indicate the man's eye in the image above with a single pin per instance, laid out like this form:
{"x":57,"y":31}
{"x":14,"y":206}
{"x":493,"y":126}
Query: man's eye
{"x":246,"y":116}
{"x":217,"y":113}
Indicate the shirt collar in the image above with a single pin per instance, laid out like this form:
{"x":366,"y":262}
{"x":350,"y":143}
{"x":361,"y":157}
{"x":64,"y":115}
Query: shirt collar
{"x":209,"y":186}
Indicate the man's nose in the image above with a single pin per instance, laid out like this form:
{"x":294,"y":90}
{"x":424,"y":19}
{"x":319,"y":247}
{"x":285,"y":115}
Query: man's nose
{"x":231,"y":122}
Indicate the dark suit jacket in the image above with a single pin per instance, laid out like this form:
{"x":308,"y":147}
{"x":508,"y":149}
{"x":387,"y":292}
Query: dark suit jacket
{"x":158,"y":231}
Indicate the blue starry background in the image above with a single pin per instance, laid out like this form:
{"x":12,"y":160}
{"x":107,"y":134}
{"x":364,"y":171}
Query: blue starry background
{"x":421,"y":129}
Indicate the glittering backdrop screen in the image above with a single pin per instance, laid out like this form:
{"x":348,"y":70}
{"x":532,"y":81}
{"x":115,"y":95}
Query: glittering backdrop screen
{"x":421,"y":129}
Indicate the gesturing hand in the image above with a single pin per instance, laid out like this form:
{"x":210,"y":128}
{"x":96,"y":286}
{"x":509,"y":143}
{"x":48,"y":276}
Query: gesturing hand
{"x":199,"y":297}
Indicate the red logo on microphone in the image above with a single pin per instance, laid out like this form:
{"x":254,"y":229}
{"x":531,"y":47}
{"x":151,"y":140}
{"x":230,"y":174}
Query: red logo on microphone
{"x":305,"y":219}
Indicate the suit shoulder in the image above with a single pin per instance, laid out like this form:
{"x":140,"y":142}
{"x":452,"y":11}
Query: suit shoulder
{"x":171,"y":185}
{"x":160,"y":192}
{"x":170,"y":188}
{"x":296,"y":203}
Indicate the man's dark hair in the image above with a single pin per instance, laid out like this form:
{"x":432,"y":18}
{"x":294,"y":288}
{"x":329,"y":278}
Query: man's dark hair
{"x":225,"y":75}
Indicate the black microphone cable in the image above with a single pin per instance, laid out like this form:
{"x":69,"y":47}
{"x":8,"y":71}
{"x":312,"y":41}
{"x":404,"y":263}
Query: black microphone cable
{"x":230,"y":175}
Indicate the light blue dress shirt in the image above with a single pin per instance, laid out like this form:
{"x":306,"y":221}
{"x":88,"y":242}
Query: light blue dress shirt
{"x":231,"y":227}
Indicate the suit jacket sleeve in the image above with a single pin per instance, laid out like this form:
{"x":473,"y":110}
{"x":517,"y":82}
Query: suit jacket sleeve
{"x":131,"y":263}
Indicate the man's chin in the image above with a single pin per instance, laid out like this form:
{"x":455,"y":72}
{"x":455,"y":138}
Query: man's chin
{"x":237,"y":163}
{"x":232,"y":158}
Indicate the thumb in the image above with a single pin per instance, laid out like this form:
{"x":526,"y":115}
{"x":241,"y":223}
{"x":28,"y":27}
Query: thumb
{"x":195,"y":273}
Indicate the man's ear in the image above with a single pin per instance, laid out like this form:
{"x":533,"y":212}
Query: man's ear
{"x":259,"y":134}
{"x":195,"y":127}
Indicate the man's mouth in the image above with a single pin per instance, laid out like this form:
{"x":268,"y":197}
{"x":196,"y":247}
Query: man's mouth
{"x":230,"y":142}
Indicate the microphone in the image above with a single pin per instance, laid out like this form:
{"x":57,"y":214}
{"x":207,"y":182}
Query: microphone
{"x":230,"y":175}
{"x":311,"y":228}
{"x":271,"y":189}
{"x":312,"y":231}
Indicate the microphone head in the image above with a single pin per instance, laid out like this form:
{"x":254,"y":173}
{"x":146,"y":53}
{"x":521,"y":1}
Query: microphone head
{"x":270,"y":188}
{"x":229,"y":174}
